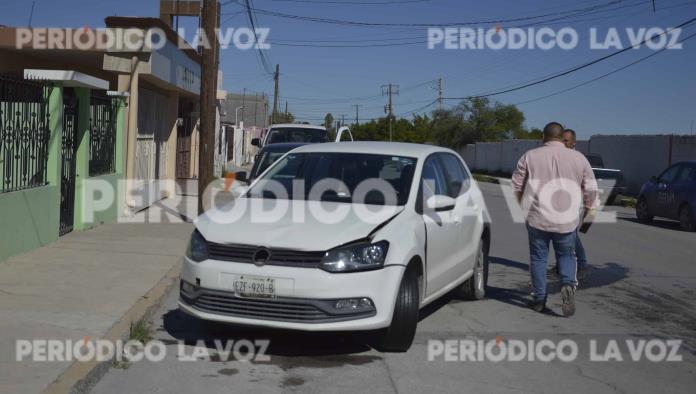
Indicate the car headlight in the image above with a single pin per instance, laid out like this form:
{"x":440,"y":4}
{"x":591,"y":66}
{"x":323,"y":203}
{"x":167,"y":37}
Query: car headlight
{"x":197,"y":248}
{"x":356,"y":257}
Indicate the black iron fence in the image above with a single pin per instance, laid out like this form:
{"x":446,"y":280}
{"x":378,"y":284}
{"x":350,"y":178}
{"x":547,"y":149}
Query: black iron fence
{"x":24,"y":133}
{"x":102,"y":134}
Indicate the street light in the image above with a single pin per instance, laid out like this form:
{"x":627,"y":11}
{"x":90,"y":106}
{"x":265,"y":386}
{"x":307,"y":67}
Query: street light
{"x":236,"y":116}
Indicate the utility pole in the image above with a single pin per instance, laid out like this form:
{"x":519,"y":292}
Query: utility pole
{"x":357,"y":109}
{"x":256,"y":108}
{"x":209,"y":69}
{"x":389,"y":90}
{"x":276,"y":76}
{"x":343,"y":120}
{"x":243,"y":103}
{"x":286,"y":109}
{"x":440,"y":92}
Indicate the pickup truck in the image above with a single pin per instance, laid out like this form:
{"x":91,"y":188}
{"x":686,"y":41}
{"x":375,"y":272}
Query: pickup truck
{"x":610,"y":181}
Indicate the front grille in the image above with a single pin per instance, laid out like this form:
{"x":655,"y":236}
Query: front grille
{"x":283,"y":257}
{"x":278,"y":309}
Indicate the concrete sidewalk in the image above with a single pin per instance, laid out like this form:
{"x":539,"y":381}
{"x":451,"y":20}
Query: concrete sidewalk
{"x":84,"y":285}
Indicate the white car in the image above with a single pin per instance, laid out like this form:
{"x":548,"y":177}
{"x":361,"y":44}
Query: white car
{"x":350,"y":256}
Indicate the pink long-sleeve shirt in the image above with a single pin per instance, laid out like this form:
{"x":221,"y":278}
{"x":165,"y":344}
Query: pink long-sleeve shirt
{"x":556,"y":183}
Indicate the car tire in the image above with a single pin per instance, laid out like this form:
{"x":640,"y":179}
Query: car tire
{"x":398,"y":337}
{"x":475,"y":287}
{"x":686,"y":219}
{"x":642,"y":212}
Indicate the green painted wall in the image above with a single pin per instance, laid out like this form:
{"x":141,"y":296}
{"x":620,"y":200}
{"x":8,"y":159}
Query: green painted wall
{"x":30,"y":217}
{"x":90,"y":209}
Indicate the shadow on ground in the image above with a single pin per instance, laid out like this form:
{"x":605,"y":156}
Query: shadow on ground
{"x":193,"y":331}
{"x":659,"y":223}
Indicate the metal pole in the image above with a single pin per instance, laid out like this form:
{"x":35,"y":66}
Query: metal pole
{"x":209,"y":70}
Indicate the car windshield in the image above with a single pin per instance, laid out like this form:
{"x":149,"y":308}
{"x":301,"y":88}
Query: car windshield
{"x":595,"y":161}
{"x":296,"y":134}
{"x":265,"y":161}
{"x":339,"y":177}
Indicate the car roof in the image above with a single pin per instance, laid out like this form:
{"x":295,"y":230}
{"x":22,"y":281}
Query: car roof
{"x":297,"y":126}
{"x":375,"y":147}
{"x":282,"y":146}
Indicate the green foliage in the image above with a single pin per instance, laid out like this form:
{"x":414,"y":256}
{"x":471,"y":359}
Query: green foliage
{"x":472,"y":120}
{"x":282,"y":117}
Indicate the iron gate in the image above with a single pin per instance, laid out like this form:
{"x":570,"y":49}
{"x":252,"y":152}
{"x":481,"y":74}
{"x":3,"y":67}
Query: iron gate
{"x":67,"y":153}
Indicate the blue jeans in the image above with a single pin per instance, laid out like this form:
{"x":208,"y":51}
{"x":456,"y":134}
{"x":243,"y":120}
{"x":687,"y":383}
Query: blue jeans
{"x":563,"y":246}
{"x":580,"y":252}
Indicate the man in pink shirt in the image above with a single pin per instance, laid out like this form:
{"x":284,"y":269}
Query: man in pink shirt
{"x":556,"y":184}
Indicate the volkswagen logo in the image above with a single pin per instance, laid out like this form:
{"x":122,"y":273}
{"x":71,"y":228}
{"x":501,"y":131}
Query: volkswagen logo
{"x":261,"y":256}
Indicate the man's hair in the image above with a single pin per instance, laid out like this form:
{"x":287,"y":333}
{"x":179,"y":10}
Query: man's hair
{"x":553,"y":131}
{"x":572,"y":132}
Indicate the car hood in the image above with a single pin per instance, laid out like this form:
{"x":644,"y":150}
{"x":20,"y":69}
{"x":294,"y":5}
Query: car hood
{"x":251,"y":221}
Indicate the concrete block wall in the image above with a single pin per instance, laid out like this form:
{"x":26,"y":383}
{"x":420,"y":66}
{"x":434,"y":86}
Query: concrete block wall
{"x":638,"y":156}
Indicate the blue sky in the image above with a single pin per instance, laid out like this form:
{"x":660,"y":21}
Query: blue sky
{"x":654,"y":96}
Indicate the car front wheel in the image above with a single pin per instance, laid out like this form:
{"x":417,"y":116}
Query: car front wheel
{"x":399,"y":335}
{"x":642,"y":212}
{"x":686,"y":219}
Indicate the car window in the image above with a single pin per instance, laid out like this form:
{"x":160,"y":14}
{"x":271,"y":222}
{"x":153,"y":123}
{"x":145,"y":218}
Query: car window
{"x":296,"y":134}
{"x":456,"y":177}
{"x":433,"y":178}
{"x":266,"y":160}
{"x":669,"y":174}
{"x":687,"y":174}
{"x":595,"y":161}
{"x":349,"y":169}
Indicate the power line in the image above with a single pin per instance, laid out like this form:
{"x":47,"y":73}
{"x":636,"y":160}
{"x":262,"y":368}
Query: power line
{"x":445,"y":24}
{"x":354,"y":2}
{"x":574,"y":69}
{"x":604,"y":75}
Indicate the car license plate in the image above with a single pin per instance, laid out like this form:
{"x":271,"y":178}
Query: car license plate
{"x":254,"y":286}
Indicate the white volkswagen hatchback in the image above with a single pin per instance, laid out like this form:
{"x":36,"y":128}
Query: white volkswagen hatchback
{"x":345,"y":236}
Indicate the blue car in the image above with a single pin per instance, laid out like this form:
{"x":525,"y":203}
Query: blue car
{"x":671,"y":195}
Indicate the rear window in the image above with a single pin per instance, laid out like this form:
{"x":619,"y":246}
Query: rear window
{"x":595,"y":161}
{"x":296,"y":134}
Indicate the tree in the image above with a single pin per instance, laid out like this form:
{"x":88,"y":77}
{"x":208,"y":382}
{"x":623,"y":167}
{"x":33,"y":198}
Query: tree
{"x":328,"y":121}
{"x":282,"y":117}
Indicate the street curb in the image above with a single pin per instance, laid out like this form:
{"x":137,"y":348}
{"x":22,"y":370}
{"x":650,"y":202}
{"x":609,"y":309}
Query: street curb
{"x":81,"y":377}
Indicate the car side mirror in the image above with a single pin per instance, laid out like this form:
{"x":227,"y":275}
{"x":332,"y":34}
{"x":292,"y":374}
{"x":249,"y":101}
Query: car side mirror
{"x":439,"y":203}
{"x":241,"y":176}
{"x":256,"y":142}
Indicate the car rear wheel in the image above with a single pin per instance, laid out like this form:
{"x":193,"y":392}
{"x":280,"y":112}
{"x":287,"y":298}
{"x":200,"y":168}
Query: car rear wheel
{"x":686,"y":219}
{"x":399,"y":335}
{"x":475,"y":287}
{"x":642,"y":212}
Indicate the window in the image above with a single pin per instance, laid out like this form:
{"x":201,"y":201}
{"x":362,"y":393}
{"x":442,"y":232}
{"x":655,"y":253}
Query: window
{"x":102,"y":135}
{"x":296,"y":134}
{"x":669,"y":174}
{"x":595,"y":161}
{"x":687,"y":174}
{"x":455,"y":174}
{"x":351,"y":169}
{"x":433,"y":178}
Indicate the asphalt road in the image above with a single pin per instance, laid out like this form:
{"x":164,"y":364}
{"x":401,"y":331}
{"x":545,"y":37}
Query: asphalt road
{"x":642,"y":288}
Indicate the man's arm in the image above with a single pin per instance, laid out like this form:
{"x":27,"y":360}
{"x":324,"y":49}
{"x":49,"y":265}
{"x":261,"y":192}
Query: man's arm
{"x":519,"y":178}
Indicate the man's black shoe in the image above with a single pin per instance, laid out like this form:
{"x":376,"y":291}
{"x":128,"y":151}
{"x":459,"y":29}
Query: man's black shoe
{"x":538,"y":305}
{"x":568,"y":296}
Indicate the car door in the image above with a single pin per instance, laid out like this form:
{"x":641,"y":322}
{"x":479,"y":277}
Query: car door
{"x":465,"y":216}
{"x":441,"y":230}
{"x":679,"y":191}
{"x":665,"y":192}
